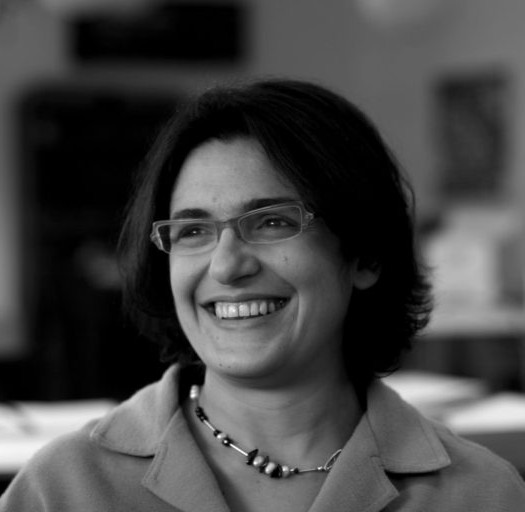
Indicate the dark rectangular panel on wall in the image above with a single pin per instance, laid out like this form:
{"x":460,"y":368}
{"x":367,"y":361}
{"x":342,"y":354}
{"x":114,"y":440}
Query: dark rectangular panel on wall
{"x":166,"y":32}
{"x":80,"y":149}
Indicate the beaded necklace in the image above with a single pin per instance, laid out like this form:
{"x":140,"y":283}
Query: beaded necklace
{"x":262,"y":463}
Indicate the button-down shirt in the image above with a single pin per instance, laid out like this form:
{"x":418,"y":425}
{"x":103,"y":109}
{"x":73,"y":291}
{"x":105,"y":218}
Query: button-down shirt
{"x":142,"y":456}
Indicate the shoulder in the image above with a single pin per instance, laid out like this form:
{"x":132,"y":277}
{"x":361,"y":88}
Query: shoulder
{"x":470,"y":458}
{"x":57,"y":467}
{"x":69,"y":460}
{"x":429,"y":464}
{"x":476,"y":478}
{"x":65,"y":452}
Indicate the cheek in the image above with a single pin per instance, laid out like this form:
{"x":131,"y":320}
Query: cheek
{"x":182,"y":283}
{"x":304,"y":271}
{"x":175,"y":281}
{"x":324,"y":277}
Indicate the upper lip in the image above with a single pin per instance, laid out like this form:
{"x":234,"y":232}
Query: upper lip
{"x":244,"y":297}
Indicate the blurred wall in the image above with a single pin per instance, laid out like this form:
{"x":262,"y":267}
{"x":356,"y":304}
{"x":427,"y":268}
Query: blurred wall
{"x":389,"y":71}
{"x":394,"y":70}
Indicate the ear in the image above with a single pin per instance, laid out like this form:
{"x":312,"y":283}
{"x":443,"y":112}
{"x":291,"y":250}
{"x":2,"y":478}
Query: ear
{"x":365,"y":274}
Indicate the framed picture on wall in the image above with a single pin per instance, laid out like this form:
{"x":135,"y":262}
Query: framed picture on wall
{"x":472,"y":133}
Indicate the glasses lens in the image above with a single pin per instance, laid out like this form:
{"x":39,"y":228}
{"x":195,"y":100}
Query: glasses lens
{"x":272,"y":224}
{"x":187,"y":236}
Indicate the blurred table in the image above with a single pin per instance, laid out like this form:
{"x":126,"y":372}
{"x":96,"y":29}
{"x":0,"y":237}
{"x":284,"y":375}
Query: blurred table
{"x":482,"y":341}
{"x":25,"y":427}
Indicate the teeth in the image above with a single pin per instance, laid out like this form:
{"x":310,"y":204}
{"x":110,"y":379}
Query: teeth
{"x":247,"y":309}
{"x":232,"y":310}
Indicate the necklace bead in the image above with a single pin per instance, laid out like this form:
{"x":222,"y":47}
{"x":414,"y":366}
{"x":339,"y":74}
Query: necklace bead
{"x":258,"y":461}
{"x":194,"y":392}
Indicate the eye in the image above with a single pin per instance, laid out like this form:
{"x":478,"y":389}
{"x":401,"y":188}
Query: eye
{"x":271,"y":224}
{"x":274,"y":221}
{"x":192,"y":233}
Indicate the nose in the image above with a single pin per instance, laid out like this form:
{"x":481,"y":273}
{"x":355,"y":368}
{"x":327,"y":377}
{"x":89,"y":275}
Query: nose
{"x":232,"y":259}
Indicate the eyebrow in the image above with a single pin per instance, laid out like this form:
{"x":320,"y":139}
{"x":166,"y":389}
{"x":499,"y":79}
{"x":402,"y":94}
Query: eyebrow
{"x":252,"y":204}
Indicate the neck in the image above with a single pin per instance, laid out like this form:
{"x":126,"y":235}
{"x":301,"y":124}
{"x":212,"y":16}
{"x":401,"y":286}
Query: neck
{"x":304,"y":422}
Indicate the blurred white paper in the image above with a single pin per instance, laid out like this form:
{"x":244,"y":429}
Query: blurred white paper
{"x":25,"y":427}
{"x":435,"y":394}
{"x":61,"y":417}
{"x":502,"y":412}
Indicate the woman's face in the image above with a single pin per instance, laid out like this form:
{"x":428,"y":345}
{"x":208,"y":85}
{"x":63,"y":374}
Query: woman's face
{"x":303,"y":285}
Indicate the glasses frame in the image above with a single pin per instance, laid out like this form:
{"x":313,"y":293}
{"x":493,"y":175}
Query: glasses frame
{"x":234,"y":223}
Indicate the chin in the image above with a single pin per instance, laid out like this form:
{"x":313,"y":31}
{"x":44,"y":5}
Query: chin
{"x":246,"y":367}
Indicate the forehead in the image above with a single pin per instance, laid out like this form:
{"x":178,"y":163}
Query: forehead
{"x":222,"y":176}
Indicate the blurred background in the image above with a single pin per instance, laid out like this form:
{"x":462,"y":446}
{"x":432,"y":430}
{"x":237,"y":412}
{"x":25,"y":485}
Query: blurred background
{"x":85,"y":85}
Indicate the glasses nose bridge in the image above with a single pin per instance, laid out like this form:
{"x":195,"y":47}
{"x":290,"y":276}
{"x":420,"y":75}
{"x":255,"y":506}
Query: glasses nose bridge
{"x":233,"y":223}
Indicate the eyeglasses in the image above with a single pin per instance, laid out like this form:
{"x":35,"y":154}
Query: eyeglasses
{"x":267,"y":225}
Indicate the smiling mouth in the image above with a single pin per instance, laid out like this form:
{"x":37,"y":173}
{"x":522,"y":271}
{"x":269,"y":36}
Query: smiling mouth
{"x":248,"y":309}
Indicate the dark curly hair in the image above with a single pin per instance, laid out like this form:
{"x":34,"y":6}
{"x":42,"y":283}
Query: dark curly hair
{"x":328,"y":149}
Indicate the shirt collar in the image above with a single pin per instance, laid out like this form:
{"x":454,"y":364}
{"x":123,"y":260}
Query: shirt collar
{"x":137,"y":426}
{"x":406,"y":441}
{"x":151,"y":424}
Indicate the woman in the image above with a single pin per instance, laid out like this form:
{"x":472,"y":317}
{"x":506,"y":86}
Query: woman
{"x":290,"y":284}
